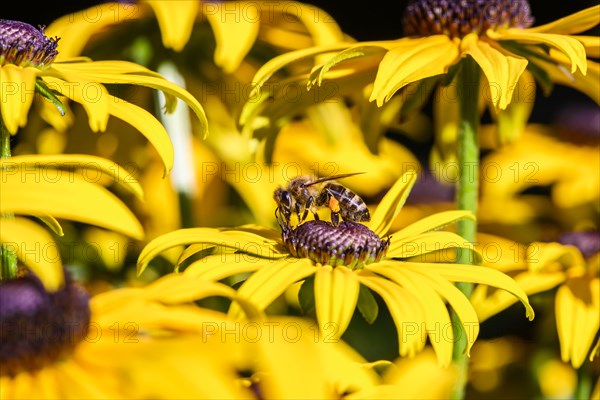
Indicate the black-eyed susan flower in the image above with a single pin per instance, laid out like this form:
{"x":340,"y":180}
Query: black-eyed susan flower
{"x":344,"y":264}
{"x":572,"y":268}
{"x":498,"y":36}
{"x":40,"y":190}
{"x":30,"y":71}
{"x":123,"y":343}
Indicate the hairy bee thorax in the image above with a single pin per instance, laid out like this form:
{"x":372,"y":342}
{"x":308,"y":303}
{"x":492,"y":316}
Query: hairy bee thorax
{"x":350,"y":243}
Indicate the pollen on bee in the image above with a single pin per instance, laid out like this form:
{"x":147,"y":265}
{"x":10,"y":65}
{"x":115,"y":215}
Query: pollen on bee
{"x":334,"y":204}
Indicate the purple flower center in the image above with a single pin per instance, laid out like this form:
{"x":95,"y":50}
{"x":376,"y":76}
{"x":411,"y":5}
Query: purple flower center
{"x":458,"y":18}
{"x":36,"y":327}
{"x":349,"y":243}
{"x":23,"y":45}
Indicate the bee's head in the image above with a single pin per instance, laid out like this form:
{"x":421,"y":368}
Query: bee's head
{"x":284,"y":201}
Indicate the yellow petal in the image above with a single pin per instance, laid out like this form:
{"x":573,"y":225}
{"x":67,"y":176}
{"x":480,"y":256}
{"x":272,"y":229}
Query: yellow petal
{"x":391,"y":204}
{"x":221,"y":266}
{"x":76,"y":29}
{"x":34,"y":246}
{"x":414,"y":378}
{"x":482,"y":275}
{"x":501,"y":68}
{"x":577,"y":318}
{"x":434,"y":222}
{"x":457,"y":300}
{"x":438,"y":325}
{"x":569,"y":46}
{"x":588,"y":84}
{"x":279,"y":62}
{"x":318,"y":74}
{"x":511,"y":122}
{"x":322,"y":368}
{"x":541,"y":255}
{"x":179,"y":288}
{"x":429,"y":242}
{"x":405,"y":309}
{"x":591,"y":44}
{"x":336,"y":294}
{"x":175,"y":19}
{"x":270,"y":281}
{"x":578,"y":22}
{"x":121,"y":72}
{"x":322,"y":27}
{"x":18,"y":89}
{"x":248,"y":243}
{"x":148,"y":126}
{"x":235,"y":27}
{"x":531,"y":283}
{"x":91,"y":95}
{"x":66,"y":196}
{"x":97,"y":167}
{"x":410,"y":61}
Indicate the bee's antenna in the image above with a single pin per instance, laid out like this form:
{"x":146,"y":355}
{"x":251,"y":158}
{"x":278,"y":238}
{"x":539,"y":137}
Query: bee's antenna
{"x":329,"y":178}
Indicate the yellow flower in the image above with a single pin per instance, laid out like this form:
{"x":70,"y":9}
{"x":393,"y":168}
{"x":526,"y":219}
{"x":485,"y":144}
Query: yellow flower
{"x":124,"y":343}
{"x":496,"y":35}
{"x":420,"y":377}
{"x":414,"y":292}
{"x":540,"y":267}
{"x":540,"y":159}
{"x":52,"y":187}
{"x":153,"y":342}
{"x":28,"y":67}
{"x":236,"y":25}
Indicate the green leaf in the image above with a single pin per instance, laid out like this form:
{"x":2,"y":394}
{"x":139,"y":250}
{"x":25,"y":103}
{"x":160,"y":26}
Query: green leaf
{"x":542,"y":78}
{"x":367,"y":305}
{"x":50,"y":95}
{"x":306,"y":296}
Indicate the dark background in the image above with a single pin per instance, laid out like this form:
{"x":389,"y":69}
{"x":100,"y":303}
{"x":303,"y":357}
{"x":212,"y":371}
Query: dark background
{"x":364,"y":21}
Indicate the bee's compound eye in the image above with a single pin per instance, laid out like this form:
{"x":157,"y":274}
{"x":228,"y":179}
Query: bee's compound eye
{"x":286,"y":199}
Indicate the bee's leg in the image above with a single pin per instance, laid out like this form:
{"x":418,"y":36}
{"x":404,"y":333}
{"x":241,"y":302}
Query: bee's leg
{"x":308,"y":206}
{"x":279,"y":217}
{"x":335,"y":218}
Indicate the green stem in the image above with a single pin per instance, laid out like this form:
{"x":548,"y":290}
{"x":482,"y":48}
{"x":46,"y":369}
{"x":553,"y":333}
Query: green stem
{"x":5,"y":138}
{"x":8,"y":259}
{"x":584,"y":383}
{"x":467,"y":196}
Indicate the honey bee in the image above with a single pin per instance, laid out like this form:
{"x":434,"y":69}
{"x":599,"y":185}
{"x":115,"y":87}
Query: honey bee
{"x":306,"y":193}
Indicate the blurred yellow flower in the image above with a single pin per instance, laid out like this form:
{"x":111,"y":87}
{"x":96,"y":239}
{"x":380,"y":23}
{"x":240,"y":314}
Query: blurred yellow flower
{"x":415,"y":292}
{"x":236,"y":25}
{"x":124,"y":343}
{"x":420,"y":377}
{"x":544,"y":266}
{"x":540,"y":159}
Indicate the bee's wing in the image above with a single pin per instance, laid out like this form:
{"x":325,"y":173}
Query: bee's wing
{"x":332,"y":177}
